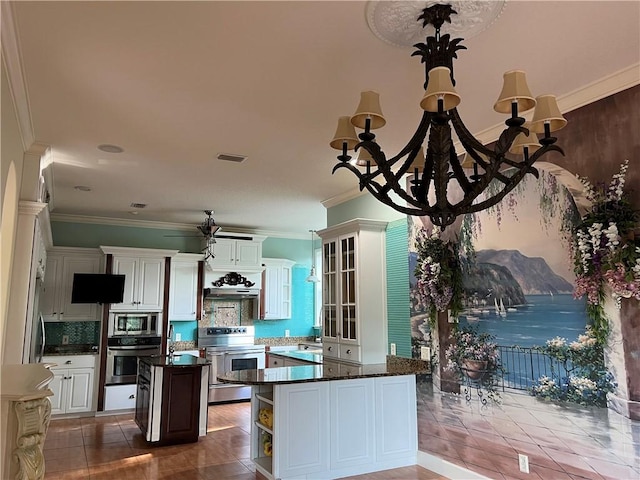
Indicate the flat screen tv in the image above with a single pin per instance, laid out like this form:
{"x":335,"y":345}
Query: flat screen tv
{"x":97,"y":288}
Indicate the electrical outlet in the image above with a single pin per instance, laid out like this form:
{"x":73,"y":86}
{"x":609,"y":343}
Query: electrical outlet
{"x":178,"y":337}
{"x":286,"y":333}
{"x":65,"y":339}
{"x":523,"y":461}
{"x":425,"y":353}
{"x":393,"y":349}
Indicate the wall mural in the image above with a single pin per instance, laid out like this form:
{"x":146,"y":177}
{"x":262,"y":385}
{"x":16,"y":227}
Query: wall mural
{"x":520,"y":286}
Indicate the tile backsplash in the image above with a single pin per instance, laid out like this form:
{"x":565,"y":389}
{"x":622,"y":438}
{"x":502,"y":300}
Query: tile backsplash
{"x":227,"y":313}
{"x":78,"y":332}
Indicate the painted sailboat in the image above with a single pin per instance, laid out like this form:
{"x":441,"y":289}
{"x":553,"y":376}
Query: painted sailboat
{"x":501,"y":310}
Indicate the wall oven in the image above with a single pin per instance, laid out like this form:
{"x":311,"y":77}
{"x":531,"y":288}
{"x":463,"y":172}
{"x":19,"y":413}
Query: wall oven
{"x":123,"y":324}
{"x":229,"y":349}
{"x":122,"y":357}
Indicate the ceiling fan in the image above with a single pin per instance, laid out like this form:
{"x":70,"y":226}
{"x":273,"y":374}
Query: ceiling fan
{"x":208,"y":228}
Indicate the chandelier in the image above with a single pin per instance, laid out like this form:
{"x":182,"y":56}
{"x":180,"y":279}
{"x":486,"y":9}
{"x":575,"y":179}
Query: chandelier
{"x":494,"y":173}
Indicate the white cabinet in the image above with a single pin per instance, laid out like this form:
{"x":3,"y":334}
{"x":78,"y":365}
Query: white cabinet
{"x":144,"y":277}
{"x":62,"y":263}
{"x":183,"y":287}
{"x":356,"y":426}
{"x":354,"y":307}
{"x":73,"y":383}
{"x":119,"y":397}
{"x":277,"y":288}
{"x":238,"y":253}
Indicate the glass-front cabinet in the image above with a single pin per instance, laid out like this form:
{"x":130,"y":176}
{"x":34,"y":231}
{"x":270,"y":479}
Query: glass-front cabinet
{"x":354,"y":291}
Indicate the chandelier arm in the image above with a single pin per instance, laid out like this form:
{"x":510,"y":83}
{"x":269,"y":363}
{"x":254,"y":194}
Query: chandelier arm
{"x":458,"y":172}
{"x":413,"y":144}
{"x":465,"y":136}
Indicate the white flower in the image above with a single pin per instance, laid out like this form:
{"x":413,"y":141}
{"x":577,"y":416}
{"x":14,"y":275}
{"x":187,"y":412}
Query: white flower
{"x":557,"y":342}
{"x":581,"y":384}
{"x":612,"y":236}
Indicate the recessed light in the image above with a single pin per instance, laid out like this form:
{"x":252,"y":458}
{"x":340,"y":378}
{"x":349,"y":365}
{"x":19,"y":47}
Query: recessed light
{"x":133,"y":212}
{"x":105,"y":147}
{"x":82,"y":188}
{"x":231,"y":157}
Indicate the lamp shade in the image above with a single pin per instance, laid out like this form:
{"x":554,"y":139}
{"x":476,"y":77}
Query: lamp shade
{"x":363,"y":157}
{"x":522,"y":140}
{"x":547,"y":111}
{"x":514,"y":88}
{"x":369,"y":107}
{"x":439,"y":86}
{"x":344,"y":133}
{"x":418,"y":162}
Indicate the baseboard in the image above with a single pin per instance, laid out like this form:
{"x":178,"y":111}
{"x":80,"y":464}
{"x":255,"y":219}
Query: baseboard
{"x":446,"y":469}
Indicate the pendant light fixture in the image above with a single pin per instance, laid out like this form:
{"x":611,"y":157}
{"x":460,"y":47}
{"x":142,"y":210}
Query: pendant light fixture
{"x":430,"y":157}
{"x":313,"y":278}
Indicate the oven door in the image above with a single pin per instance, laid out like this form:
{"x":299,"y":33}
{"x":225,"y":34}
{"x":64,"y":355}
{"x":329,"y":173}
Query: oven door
{"x":227,"y":361}
{"x":122,"y":362}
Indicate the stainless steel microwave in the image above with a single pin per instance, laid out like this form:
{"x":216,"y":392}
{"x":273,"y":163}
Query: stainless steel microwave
{"x":121,"y":324}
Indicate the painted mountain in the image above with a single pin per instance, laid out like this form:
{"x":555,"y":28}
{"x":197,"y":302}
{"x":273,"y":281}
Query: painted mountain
{"x":532,"y":273}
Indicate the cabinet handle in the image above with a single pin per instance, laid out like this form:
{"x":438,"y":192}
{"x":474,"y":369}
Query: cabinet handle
{"x":131,"y":397}
{"x":68,"y":362}
{"x":349,"y":352}
{"x":330,"y":348}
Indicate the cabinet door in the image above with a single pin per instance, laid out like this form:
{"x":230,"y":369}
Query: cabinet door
{"x":58,"y":401}
{"x":79,"y":390}
{"x":143,"y":401}
{"x":272,"y":292}
{"x":352,"y":423}
{"x":127,"y":266}
{"x":49,"y":306}
{"x":348,"y":328}
{"x":180,"y":404}
{"x":248,"y":253}
{"x":150,"y":287}
{"x":70,"y":266}
{"x":329,"y":290}
{"x":301,"y":429}
{"x":183,"y":291}
{"x":224,"y":254}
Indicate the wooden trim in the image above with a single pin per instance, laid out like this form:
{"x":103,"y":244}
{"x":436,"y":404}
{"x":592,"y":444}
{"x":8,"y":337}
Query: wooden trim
{"x":165,"y":305}
{"x":200,"y":292}
{"x":103,"y":342}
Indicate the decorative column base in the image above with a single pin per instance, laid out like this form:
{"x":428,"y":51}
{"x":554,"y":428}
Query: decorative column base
{"x":626,"y":408}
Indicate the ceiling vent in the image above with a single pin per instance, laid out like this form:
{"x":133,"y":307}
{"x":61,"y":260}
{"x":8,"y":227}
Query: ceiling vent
{"x":138,"y":205}
{"x":231,"y":157}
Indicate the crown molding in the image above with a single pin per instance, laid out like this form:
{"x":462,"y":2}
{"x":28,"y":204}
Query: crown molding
{"x":611,"y":84}
{"x":187,"y":227}
{"x":12,"y":60}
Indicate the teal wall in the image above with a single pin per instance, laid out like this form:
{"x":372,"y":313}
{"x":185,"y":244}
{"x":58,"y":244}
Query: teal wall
{"x":398,"y":308}
{"x":363,"y":206}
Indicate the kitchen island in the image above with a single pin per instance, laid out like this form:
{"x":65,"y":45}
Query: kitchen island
{"x":171,"y":400}
{"x":331,"y":420}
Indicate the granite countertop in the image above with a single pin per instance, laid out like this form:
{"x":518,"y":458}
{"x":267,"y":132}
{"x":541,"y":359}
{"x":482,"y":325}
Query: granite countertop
{"x":75,"y":349}
{"x":311,"y":357}
{"x":327,"y":371}
{"x":176,"y":361}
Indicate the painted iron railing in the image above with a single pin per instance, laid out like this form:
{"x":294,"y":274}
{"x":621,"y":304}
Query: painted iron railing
{"x":523,"y":366}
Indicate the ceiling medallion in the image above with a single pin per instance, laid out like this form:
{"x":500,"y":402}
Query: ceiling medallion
{"x":394,"y":21}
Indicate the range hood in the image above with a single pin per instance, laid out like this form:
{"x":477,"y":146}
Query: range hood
{"x":231,"y":293}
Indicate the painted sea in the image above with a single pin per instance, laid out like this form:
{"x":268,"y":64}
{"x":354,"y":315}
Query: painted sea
{"x":542,"y":318}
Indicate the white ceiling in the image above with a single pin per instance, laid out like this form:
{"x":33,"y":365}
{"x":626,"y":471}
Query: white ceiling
{"x":176,"y":83}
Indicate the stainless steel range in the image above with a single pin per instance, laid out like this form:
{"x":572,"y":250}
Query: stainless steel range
{"x":229,"y":349}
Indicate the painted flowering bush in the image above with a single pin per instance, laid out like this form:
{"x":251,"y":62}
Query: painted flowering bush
{"x":582,"y":377}
{"x":468,"y":344}
{"x":438,"y":275}
{"x":605,"y":250}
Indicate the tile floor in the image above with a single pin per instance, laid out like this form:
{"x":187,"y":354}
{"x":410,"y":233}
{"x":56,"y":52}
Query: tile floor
{"x":112,"y":448}
{"x":562,"y":442}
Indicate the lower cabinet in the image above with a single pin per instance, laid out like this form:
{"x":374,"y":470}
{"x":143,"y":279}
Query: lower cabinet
{"x":73,"y":383}
{"x":119,"y":397}
{"x":334,"y":429}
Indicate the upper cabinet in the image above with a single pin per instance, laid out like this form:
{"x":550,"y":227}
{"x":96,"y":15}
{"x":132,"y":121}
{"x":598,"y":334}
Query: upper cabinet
{"x":237,"y":253}
{"x":277,"y":288}
{"x":183,"y":287}
{"x":354,"y":307}
{"x":61,"y":264}
{"x":144,"y":277}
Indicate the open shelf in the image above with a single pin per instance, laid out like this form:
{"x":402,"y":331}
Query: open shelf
{"x":263,"y":427}
{"x":265,"y":464}
{"x":266,"y":397}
